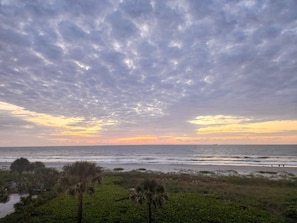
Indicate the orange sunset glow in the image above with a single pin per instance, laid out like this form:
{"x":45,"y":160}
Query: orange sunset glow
{"x":151,"y":72}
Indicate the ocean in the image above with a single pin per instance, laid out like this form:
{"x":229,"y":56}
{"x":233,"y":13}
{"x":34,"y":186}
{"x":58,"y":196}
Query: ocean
{"x":233,"y":155}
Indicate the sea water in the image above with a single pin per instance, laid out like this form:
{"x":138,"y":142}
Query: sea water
{"x":236,"y":155}
{"x":228,"y":155}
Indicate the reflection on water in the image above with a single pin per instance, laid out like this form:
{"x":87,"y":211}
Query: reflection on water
{"x":8,"y":208}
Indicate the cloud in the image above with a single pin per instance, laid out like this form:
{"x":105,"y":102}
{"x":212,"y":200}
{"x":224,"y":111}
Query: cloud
{"x":218,"y":120}
{"x":221,"y":124}
{"x":73,"y":126}
{"x":155,"y":64}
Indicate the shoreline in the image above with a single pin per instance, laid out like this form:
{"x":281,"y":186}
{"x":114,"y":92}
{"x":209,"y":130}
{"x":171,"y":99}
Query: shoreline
{"x":217,"y":169}
{"x":243,"y":170}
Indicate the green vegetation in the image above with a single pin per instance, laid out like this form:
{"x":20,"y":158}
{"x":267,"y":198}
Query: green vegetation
{"x":149,"y":193}
{"x":4,"y":194}
{"x":118,"y":169}
{"x":79,"y":178}
{"x":192,"y":198}
{"x":201,"y":197}
{"x":6,"y":178}
{"x":141,"y":169}
{"x":206,"y":172}
{"x":20,"y":165}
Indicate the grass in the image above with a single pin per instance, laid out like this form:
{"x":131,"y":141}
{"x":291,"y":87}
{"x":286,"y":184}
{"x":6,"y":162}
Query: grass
{"x":192,"y":198}
{"x":206,"y":172}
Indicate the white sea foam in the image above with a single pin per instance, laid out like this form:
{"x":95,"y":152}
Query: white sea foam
{"x":238,"y":155}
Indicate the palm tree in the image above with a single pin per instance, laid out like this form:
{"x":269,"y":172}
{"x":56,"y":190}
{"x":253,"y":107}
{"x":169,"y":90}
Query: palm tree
{"x":78,"y":178}
{"x":151,"y":193}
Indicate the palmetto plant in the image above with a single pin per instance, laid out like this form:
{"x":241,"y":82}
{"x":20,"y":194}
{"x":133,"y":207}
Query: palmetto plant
{"x":149,"y":193}
{"x":79,"y":178}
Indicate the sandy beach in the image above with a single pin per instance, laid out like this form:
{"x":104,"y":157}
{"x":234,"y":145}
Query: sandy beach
{"x":218,"y":169}
{"x":182,"y":168}
{"x":199,"y":180}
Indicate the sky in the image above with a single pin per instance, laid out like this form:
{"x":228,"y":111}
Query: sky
{"x":148,"y":72}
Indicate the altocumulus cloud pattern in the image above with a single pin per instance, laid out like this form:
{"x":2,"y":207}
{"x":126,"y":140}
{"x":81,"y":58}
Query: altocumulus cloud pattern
{"x":181,"y":71}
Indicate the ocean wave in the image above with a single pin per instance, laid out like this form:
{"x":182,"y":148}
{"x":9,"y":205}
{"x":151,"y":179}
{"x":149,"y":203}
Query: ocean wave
{"x":189,"y":155}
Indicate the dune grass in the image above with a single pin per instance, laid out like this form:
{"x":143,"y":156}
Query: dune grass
{"x":192,"y":198}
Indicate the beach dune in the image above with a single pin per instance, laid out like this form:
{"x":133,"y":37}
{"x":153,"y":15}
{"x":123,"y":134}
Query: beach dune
{"x":184,"y":168}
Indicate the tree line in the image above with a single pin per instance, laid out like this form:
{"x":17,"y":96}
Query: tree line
{"x":77,"y":179}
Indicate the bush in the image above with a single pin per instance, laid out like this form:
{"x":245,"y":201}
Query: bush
{"x":192,"y":198}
